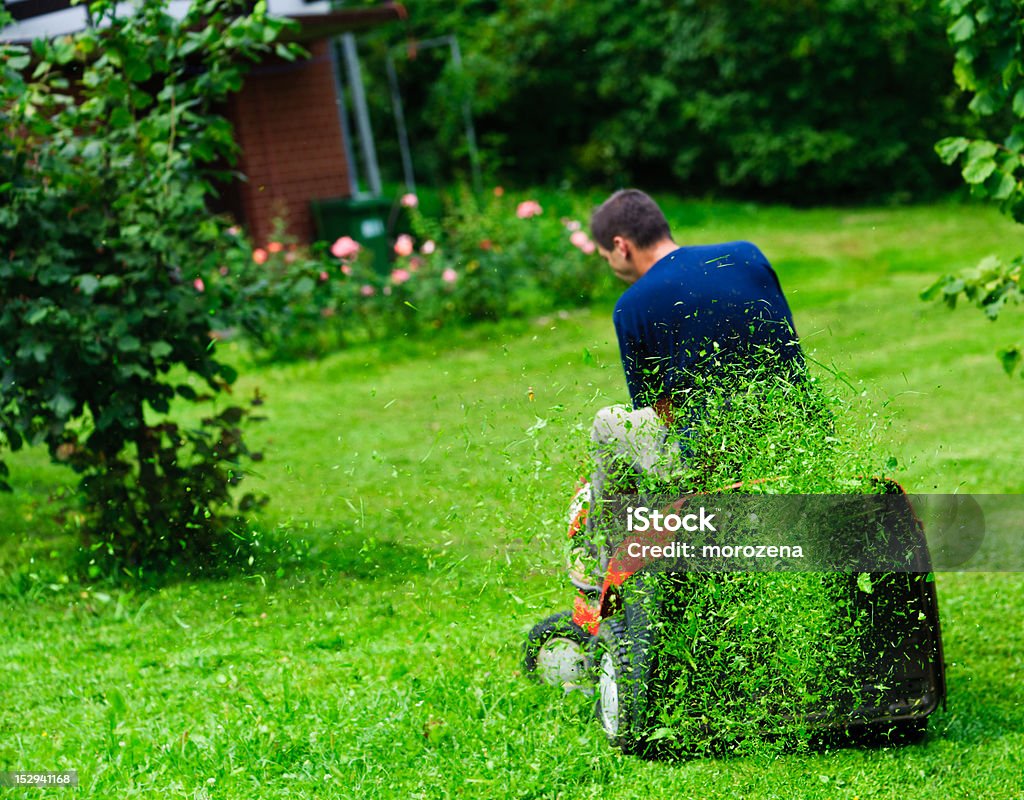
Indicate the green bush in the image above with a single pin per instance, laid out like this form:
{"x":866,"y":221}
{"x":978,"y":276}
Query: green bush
{"x":107,"y":157}
{"x":989,"y":41}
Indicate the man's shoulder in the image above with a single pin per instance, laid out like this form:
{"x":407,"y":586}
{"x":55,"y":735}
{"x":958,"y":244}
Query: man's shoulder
{"x":635,"y":303}
{"x":635,"y":293}
{"x":739,"y":251}
{"x":624,"y":304}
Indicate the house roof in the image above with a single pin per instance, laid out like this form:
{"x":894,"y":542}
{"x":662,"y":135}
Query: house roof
{"x":35,"y":19}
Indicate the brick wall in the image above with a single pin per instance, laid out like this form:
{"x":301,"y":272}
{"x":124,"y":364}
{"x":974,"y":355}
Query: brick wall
{"x":286,"y":123}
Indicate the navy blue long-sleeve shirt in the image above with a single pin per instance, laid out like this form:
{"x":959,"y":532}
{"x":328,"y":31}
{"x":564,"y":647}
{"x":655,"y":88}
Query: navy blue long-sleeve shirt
{"x":697,"y":311}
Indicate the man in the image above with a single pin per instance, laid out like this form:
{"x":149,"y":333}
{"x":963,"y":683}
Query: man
{"x":691,"y":315}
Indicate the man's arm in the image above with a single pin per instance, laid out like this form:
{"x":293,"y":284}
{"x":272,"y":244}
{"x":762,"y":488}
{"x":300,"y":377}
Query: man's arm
{"x":634,"y":358}
{"x":644,"y":374}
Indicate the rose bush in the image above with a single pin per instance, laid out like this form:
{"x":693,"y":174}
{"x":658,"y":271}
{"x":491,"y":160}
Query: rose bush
{"x":481,"y":260}
{"x":494,"y":258}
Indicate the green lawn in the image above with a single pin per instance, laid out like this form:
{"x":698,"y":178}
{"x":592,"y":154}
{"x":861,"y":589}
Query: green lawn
{"x":417,"y":506}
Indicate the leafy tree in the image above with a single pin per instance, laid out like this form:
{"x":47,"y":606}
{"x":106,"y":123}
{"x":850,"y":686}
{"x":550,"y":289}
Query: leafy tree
{"x":789,"y":99}
{"x":106,"y":157}
{"x":989,"y":39}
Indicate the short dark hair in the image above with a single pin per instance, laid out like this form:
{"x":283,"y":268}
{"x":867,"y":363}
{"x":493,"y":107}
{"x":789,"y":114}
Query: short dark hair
{"x":632,"y":214}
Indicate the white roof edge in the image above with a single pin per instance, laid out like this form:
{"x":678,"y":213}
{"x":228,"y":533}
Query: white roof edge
{"x":72,"y":20}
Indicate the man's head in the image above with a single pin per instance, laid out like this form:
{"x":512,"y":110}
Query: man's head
{"x":631,"y":233}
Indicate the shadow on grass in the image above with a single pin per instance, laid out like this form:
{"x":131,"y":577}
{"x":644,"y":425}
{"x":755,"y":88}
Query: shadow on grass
{"x":46,"y":566}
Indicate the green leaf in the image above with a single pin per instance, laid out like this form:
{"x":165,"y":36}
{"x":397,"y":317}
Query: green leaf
{"x":661,"y":733}
{"x":62,"y":405}
{"x":978,"y":169}
{"x":40,"y":351}
{"x":228,"y":373}
{"x":962,"y":30}
{"x":18,"y":62}
{"x":1018,"y":103}
{"x":984,"y":14}
{"x":933,"y":291}
{"x":284,"y":52}
{"x":981,"y":149}
{"x":951,"y":147}
{"x":1010,"y":358}
{"x":128,"y":344}
{"x":88,"y":284}
{"x":63,"y":49}
{"x":985,"y":104}
{"x":864,"y":583}
{"x":953,"y":286}
{"x":160,"y":349}
{"x":138,"y":70}
{"x":120,"y":118}
{"x":1003,"y":186}
{"x":232,"y":415}
{"x":963,"y":74}
{"x":38,"y":315}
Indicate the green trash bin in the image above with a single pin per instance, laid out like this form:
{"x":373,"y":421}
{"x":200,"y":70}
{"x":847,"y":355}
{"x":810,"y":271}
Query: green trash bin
{"x":364,"y":219}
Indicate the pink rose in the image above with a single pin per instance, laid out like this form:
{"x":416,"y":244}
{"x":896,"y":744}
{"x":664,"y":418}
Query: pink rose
{"x":323,"y":276}
{"x":499,"y":191}
{"x":428,"y":247}
{"x":409,"y":200}
{"x":346,"y":269}
{"x":367,"y":291}
{"x":275,"y":247}
{"x":589,"y":247}
{"x":234,"y":230}
{"x":345,"y":247}
{"x":528,"y":208}
{"x":404,"y":245}
{"x":579,"y":239}
{"x":449,"y":275}
{"x":400,"y":276}
{"x":199,"y":285}
{"x":259,"y":255}
{"x":571,"y":224}
{"x":415,"y":263}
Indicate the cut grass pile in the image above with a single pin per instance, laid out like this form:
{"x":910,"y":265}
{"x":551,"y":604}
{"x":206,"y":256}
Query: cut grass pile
{"x":418,"y":495}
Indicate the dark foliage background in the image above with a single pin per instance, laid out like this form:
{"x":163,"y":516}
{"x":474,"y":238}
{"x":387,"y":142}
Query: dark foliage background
{"x":793,"y":100}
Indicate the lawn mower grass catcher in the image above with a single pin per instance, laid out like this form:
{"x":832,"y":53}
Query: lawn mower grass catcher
{"x":684,"y":662}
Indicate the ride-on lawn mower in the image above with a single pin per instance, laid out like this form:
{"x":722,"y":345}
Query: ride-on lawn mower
{"x":645,"y":642}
